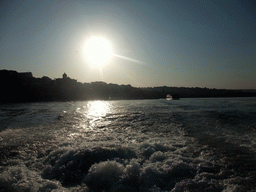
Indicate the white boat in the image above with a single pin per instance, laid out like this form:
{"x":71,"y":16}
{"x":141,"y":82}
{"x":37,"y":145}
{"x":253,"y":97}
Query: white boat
{"x":172,"y":97}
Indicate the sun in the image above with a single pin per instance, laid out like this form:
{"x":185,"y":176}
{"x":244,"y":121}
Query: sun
{"x":98,"y":51}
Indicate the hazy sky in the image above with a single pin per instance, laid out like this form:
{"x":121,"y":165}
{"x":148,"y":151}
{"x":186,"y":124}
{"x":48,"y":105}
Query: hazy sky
{"x":190,"y":43}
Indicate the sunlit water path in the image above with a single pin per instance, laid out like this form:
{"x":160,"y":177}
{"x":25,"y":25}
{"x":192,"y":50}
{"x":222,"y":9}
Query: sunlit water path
{"x":136,"y":145}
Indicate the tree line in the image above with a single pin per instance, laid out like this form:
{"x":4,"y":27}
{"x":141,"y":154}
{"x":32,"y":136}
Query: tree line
{"x":23,"y":87}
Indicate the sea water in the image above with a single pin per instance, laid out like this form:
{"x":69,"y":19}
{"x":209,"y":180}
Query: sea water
{"x":129,"y":145}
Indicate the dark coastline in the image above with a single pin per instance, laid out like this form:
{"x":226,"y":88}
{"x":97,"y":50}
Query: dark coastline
{"x":23,"y":87}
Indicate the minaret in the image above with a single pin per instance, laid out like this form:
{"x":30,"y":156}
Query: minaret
{"x":64,"y":76}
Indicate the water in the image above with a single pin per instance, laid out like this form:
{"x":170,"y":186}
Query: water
{"x":141,"y":145}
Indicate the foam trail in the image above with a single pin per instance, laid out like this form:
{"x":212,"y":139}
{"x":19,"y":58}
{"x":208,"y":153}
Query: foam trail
{"x":130,"y":145}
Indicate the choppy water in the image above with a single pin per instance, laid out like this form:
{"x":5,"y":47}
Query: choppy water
{"x":143,"y":145}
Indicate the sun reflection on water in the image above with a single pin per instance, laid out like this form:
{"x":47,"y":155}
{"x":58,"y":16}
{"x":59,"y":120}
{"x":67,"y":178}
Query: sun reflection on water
{"x":92,"y":118}
{"x":97,"y":109}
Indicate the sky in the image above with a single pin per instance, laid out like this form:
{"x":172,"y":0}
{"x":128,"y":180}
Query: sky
{"x":181,"y":43}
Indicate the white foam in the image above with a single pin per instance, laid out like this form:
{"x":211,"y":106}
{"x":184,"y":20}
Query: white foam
{"x":20,"y":178}
{"x":134,"y":151}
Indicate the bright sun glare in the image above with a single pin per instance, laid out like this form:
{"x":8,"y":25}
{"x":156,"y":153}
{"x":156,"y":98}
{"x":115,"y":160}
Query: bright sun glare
{"x":98,"y":51}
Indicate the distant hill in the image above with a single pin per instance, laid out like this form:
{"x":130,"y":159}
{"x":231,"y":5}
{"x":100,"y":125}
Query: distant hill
{"x":249,"y":90}
{"x":23,"y":87}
